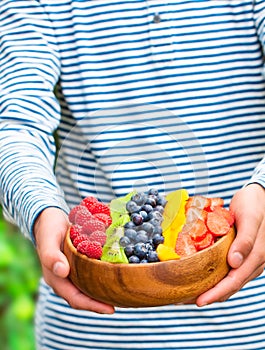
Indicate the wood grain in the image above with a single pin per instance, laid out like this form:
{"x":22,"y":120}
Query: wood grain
{"x":153,"y":284}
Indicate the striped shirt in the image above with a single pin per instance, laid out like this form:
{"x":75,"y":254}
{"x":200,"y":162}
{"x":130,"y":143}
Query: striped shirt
{"x":142,"y":93}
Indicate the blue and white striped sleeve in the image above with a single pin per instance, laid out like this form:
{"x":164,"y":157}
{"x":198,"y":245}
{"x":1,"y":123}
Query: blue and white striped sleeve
{"x":29,"y":113}
{"x":259,"y":14}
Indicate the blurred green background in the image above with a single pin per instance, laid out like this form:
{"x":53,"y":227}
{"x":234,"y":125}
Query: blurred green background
{"x":19,"y":276}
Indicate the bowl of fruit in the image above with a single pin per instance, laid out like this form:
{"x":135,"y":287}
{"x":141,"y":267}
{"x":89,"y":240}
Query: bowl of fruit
{"x":147,"y":249}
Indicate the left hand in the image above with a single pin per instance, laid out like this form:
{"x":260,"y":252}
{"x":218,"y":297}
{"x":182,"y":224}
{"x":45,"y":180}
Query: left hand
{"x":247,"y":253}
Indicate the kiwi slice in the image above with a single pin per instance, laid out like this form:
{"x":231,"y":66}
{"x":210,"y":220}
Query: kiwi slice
{"x":118,"y":206}
{"x":112,"y":251}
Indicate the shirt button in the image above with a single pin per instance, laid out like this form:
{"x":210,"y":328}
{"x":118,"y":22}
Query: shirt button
{"x":157,"y":18}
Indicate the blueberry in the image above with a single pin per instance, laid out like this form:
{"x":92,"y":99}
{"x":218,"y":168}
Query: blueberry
{"x":134,"y":259}
{"x":155,"y":222}
{"x":124,"y":241}
{"x":151,"y":200}
{"x":157,"y":230}
{"x":158,"y":239}
{"x":149,"y":246}
{"x":152,"y":256}
{"x":139,"y":198}
{"x":140,"y":250}
{"x":161,"y":201}
{"x":130,"y":233}
{"x":144,"y":261}
{"x":129,"y":224}
{"x":159,"y":208}
{"x":132,"y":207}
{"x":142,"y":236}
{"x":153,"y":192}
{"x":155,"y":215}
{"x":147,"y":227}
{"x":147,"y":207}
{"x":136,"y":219}
{"x":129,"y":250}
{"x":144,"y":215}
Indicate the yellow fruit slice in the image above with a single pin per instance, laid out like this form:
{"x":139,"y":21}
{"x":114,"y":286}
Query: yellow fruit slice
{"x":174,"y":216}
{"x":166,"y":253}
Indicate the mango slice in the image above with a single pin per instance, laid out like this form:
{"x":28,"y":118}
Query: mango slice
{"x":174,"y":216}
{"x":166,"y":253}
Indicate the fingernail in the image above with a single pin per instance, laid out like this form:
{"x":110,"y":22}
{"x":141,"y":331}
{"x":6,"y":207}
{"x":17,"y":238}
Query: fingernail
{"x":58,"y":268}
{"x":237,"y":259}
{"x":203,"y":304}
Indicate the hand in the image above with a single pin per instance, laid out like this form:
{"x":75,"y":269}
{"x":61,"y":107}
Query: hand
{"x":49,"y":229}
{"x":247,"y":253}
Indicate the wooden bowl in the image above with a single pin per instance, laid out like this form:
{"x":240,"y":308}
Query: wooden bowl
{"x":152,"y":284}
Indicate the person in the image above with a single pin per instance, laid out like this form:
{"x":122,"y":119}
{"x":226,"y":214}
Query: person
{"x":141,"y":93}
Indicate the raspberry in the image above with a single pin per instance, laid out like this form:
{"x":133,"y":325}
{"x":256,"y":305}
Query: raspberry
{"x":79,"y":239}
{"x":73,"y":212}
{"x":89,"y":201}
{"x":92,"y":225}
{"x":90,"y":249}
{"x":82,"y":216}
{"x":106,"y":219}
{"x":75,"y":230}
{"x":98,"y":236}
{"x":99,"y":207}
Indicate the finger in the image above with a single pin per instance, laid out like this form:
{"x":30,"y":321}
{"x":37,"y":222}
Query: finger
{"x":254,"y":275}
{"x":72,"y":295}
{"x":52,"y":258}
{"x":247,"y":229}
{"x":233,"y":282}
{"x":248,"y":219}
{"x":226,"y":288}
{"x":50,"y":237}
{"x":76,"y":299}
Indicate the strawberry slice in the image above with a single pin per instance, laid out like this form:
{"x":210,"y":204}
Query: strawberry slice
{"x":185,"y":245}
{"x":217,"y":224}
{"x":196,"y":229}
{"x":194,"y":213}
{"x":206,"y":242}
{"x":198,"y":201}
{"x":226,"y":214}
{"x":215,"y":202}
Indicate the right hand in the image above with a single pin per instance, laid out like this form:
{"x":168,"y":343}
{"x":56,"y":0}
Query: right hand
{"x":49,"y":230}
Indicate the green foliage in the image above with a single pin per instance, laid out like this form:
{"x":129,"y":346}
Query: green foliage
{"x":19,"y":276}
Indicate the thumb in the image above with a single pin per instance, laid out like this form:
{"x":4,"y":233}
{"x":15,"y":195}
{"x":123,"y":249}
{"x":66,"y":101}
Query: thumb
{"x":244,"y":241}
{"x":50,"y":230}
{"x":61,"y":267}
{"x":246,"y":208}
